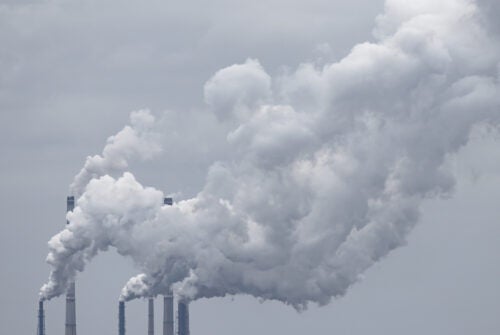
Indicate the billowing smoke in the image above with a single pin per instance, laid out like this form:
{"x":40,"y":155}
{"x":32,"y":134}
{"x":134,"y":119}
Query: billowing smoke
{"x":137,"y":140}
{"x":329,"y":167}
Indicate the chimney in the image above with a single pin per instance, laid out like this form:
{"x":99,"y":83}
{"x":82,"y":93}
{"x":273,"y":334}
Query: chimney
{"x":41,"y":319}
{"x":182,"y":307}
{"x":121,"y":318}
{"x":168,"y":314}
{"x":182,"y":318}
{"x":168,"y":201}
{"x":168,"y":300}
{"x":70,"y":294}
{"x":70,"y":205}
{"x":151,"y":317}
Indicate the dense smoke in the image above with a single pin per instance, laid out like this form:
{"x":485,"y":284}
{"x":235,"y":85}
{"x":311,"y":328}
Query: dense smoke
{"x":137,"y":140}
{"x":329,"y":167}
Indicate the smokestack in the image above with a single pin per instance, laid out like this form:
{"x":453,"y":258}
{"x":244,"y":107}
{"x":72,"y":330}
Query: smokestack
{"x":70,"y":295}
{"x":151,"y":317}
{"x":168,"y":300}
{"x":70,"y":205}
{"x":41,"y":319}
{"x":121,"y":318}
{"x":168,"y":305}
{"x":168,"y":315}
{"x":168,"y":201}
{"x":182,"y":318}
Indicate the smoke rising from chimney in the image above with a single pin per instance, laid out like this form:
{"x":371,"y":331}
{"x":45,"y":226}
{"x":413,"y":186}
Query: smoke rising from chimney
{"x":328,"y":172}
{"x":136,"y":140}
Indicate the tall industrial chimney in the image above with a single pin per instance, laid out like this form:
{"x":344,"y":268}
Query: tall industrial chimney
{"x":151,"y":317}
{"x":41,"y":319}
{"x":121,"y":318}
{"x":70,"y":294}
{"x":168,"y":300}
{"x":182,"y":318}
{"x":168,"y":315}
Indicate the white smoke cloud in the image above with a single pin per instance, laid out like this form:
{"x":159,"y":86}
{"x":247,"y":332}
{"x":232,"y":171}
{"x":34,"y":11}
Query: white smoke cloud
{"x":137,"y":140}
{"x":236,"y":90}
{"x":329,"y":168}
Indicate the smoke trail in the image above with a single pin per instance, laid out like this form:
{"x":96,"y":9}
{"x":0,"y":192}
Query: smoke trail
{"x":137,"y":140}
{"x":328,"y":172}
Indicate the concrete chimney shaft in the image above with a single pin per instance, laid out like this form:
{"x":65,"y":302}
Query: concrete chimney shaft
{"x":182,"y":318}
{"x":168,"y":315}
{"x":41,"y":319}
{"x":121,"y":318}
{"x":70,"y":294}
{"x":151,"y":317}
{"x":168,"y":300}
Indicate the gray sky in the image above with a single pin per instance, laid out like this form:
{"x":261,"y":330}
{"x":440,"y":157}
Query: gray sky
{"x":71,"y":72}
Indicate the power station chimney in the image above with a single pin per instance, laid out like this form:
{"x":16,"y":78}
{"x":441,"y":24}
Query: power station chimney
{"x":182,"y":307}
{"x":182,"y":318}
{"x":70,"y":294}
{"x":168,"y":315}
{"x":168,"y":300}
{"x":121,"y":318}
{"x":168,"y":201}
{"x":151,"y":317}
{"x":41,"y":319}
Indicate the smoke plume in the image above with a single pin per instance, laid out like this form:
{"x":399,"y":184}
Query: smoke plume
{"x":329,"y":167}
{"x":137,"y":140}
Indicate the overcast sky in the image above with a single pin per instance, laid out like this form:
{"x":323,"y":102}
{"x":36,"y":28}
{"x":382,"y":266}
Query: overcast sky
{"x":72,"y":71}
